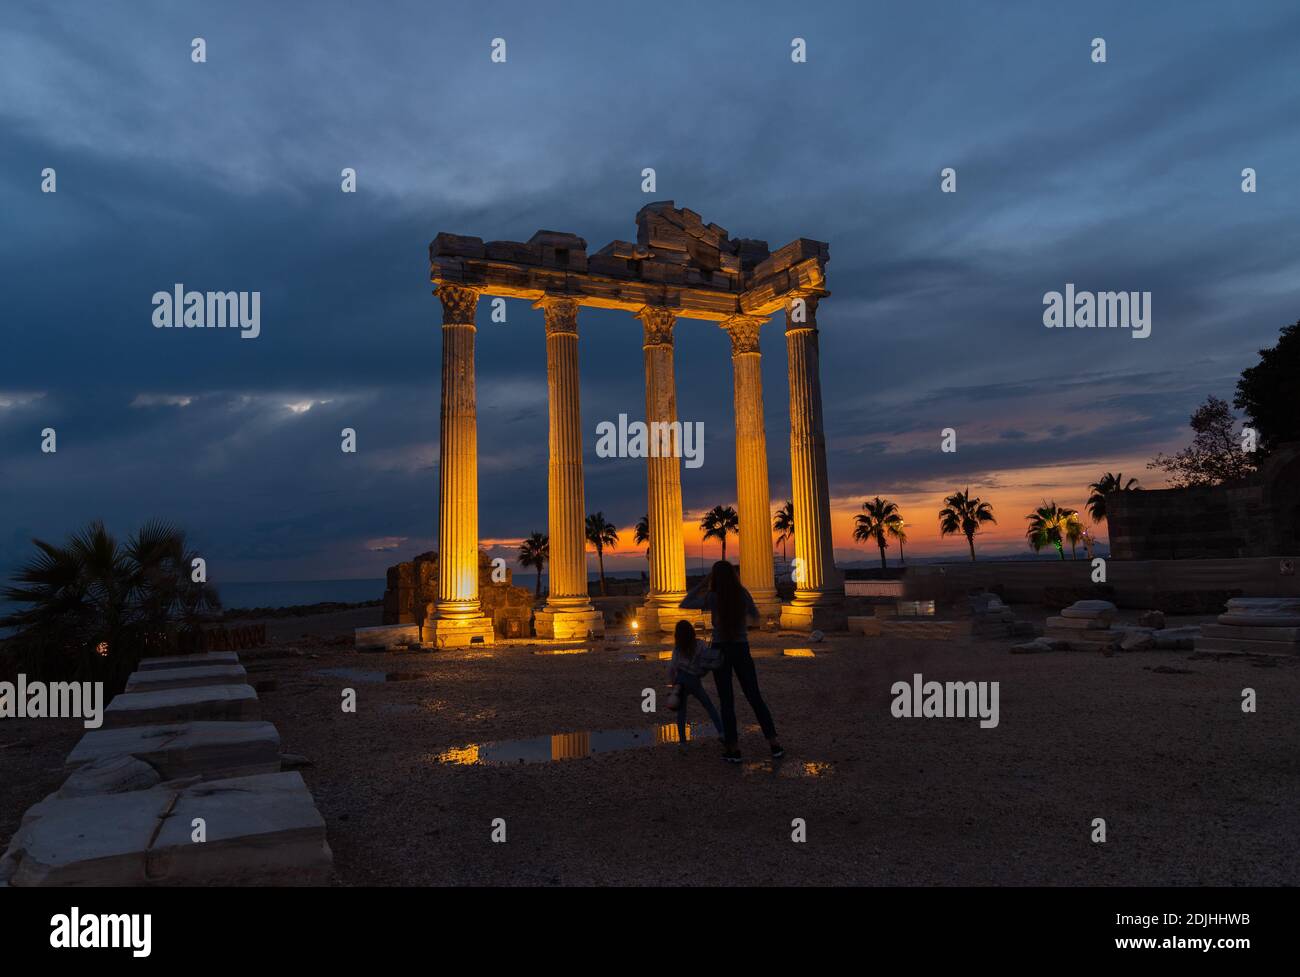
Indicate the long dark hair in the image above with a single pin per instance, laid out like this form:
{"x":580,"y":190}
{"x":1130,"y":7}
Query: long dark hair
{"x":729,"y":600}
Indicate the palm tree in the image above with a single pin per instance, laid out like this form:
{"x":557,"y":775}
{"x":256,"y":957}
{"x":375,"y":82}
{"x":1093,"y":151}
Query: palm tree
{"x":896,"y":528}
{"x":784,"y":526}
{"x":873,"y":523}
{"x":642,"y":534}
{"x":963,"y":514}
{"x":1103,"y":487}
{"x":96,"y":606}
{"x":718,"y":522}
{"x":535,"y":551}
{"x":1074,"y":532}
{"x":1050,"y":525}
{"x":601,"y":533}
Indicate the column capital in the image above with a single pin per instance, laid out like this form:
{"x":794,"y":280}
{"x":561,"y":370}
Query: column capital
{"x":561,"y":314}
{"x":459,"y":303}
{"x":743,"y":330}
{"x":801,"y":310}
{"x":658,"y":322}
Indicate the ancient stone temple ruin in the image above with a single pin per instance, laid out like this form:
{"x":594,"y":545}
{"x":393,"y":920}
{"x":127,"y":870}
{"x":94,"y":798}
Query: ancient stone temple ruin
{"x":679,"y":268}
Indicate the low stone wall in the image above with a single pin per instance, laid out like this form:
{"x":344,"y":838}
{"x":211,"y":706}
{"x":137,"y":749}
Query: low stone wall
{"x":1174,"y":586}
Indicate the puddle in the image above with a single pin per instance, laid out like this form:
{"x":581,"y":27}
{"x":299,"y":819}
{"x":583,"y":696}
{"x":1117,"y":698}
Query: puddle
{"x":353,"y":674}
{"x":788,"y":769}
{"x":562,"y":651}
{"x":562,"y":746}
{"x":368,"y":675}
{"x":797,"y":653}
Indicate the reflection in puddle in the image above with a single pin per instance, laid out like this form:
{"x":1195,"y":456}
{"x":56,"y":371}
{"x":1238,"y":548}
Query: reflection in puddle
{"x":353,"y":674}
{"x":562,"y":746}
{"x":789,"y":769}
{"x":561,"y":651}
{"x":798,"y":653}
{"x":369,"y":675}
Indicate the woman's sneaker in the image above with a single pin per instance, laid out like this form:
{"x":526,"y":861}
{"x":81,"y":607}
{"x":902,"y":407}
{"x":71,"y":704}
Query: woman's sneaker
{"x":777,"y":751}
{"x":731,"y":756}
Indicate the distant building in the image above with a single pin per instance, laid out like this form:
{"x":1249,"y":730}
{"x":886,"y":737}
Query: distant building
{"x":1257,"y":517}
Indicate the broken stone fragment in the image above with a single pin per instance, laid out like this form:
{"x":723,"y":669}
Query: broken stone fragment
{"x":154,"y":679}
{"x":110,"y":775}
{"x":205,"y":702}
{"x":188,"y":661}
{"x":215,"y":750}
{"x":260,"y":830}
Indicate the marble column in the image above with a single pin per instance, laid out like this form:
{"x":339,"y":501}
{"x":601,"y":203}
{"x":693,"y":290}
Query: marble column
{"x":568,"y":612}
{"x":753,"y":497}
{"x":819,"y":588}
{"x":459,"y":618}
{"x":664,"y":475}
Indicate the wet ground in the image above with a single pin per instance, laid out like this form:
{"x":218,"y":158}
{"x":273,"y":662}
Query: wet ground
{"x":592,"y":789}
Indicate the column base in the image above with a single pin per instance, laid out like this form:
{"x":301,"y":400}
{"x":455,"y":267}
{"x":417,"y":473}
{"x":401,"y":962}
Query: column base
{"x":815,"y":612}
{"x":459,"y":632}
{"x":568,"y":624}
{"x":652,"y":616}
{"x":769,"y":610}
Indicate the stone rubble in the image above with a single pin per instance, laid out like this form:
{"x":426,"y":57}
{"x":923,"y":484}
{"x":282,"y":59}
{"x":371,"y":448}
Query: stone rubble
{"x":1254,"y":626}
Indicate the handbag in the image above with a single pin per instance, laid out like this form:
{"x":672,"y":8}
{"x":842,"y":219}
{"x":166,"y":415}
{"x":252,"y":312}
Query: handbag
{"x":709,"y":658}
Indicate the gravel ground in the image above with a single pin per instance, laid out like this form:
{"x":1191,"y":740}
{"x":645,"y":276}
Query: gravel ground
{"x":1193,"y":790}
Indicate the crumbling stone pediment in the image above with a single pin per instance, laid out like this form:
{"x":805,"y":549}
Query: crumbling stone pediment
{"x":678,"y":261}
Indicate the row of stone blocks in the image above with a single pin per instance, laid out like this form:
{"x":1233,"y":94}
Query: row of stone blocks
{"x":185,"y":742}
{"x":1254,"y":626}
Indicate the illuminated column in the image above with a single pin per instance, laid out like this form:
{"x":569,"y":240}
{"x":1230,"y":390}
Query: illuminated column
{"x":753,"y":498}
{"x":664,"y":475}
{"x":459,"y":619}
{"x":568,"y":612}
{"x":819,"y":589}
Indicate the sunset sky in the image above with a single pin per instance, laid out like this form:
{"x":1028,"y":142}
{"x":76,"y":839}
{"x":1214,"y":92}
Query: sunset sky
{"x":225,"y":175}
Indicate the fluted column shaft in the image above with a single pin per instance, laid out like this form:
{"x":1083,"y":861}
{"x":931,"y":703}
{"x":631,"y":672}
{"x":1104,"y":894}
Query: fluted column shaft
{"x":664,"y":477}
{"x":458,"y":458}
{"x":566,"y":505}
{"x":810,"y":487}
{"x":753,"y":496}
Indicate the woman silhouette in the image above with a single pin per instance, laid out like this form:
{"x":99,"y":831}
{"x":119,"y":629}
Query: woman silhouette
{"x":730,"y":604}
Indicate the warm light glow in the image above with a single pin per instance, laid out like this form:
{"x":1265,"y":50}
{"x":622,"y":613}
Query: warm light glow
{"x":464,"y":755}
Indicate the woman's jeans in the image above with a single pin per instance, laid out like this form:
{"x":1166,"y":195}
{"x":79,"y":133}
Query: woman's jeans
{"x":736,"y":658}
{"x":692,"y":684}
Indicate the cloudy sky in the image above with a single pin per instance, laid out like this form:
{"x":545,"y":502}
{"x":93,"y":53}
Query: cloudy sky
{"x":225,"y":175}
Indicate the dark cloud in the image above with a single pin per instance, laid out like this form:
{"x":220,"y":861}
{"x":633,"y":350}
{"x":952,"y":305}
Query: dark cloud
{"x":224,"y":176}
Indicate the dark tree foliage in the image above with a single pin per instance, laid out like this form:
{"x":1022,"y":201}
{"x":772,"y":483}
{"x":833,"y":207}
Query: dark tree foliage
{"x":1269,"y":392}
{"x":1215,"y":455}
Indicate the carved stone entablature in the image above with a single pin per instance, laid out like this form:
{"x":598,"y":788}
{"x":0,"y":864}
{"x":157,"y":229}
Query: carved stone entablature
{"x":677,"y":260}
